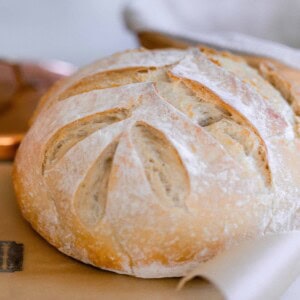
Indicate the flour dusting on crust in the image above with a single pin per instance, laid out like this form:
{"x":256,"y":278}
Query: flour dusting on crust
{"x":174,"y":157}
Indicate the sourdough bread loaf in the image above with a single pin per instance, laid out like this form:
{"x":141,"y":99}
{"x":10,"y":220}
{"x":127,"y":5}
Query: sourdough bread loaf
{"x":149,"y":162}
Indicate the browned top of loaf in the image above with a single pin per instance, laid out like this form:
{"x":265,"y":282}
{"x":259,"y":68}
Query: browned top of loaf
{"x":147,"y":162}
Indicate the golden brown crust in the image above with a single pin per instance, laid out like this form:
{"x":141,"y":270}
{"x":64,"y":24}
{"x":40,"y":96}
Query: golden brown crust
{"x":149,"y":162}
{"x":288,"y":86}
{"x":103,"y":256}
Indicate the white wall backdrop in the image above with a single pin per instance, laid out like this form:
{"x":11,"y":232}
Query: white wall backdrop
{"x":78,"y":31}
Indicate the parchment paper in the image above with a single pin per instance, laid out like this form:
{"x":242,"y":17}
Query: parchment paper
{"x":254,"y":270}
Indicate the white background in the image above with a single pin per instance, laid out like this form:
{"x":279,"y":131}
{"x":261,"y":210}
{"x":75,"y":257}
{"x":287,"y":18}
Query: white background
{"x":78,"y":31}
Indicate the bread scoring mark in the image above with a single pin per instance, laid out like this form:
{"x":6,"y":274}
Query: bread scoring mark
{"x":235,"y":93}
{"x":237,"y":138}
{"x":106,"y":79}
{"x":91,"y":196}
{"x":265,"y":79}
{"x":163,"y":166}
{"x":207,"y":114}
{"x":182,"y":98}
{"x":204,"y":108}
{"x":199,"y":109}
{"x":239,"y":122}
{"x":68,"y":136}
{"x":229,"y":113}
{"x":273,"y":76}
{"x":288,"y":89}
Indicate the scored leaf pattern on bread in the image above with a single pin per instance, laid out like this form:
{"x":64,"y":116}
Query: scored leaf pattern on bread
{"x":159,"y":157}
{"x":91,"y":196}
{"x":162,"y":164}
{"x":71,"y":134}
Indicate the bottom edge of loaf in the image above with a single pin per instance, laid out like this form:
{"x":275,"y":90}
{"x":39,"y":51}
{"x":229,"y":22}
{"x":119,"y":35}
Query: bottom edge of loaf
{"x":156,"y":270}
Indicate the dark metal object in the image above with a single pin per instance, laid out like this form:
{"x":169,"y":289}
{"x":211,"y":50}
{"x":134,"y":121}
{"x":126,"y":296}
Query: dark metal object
{"x":11,"y":256}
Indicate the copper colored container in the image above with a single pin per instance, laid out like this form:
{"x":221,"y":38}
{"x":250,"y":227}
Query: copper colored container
{"x":21,"y":86}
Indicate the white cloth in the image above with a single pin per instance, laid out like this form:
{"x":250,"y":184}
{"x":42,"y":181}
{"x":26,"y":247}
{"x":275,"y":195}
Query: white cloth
{"x":254,"y":270}
{"x":245,"y":26}
{"x":261,"y":269}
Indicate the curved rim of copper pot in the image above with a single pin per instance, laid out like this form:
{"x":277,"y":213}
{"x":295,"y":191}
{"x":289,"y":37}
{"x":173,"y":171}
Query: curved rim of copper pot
{"x":9,"y":143}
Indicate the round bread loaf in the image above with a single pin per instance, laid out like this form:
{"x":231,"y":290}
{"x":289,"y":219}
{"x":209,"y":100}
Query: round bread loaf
{"x":149,"y":162}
